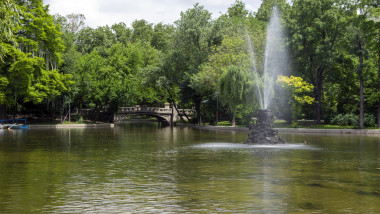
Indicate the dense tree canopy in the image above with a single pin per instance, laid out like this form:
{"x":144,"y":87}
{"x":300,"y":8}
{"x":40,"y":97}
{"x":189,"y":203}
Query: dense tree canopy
{"x":60,"y":63}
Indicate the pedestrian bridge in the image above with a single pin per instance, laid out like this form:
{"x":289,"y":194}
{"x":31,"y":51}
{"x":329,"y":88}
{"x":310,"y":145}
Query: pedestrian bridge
{"x":167,"y":115}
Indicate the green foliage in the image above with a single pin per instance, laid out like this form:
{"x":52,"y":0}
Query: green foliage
{"x":297,"y":89}
{"x":57,"y":61}
{"x":297,"y":94}
{"x":351,"y":119}
{"x":265,"y":11}
{"x":77,"y":118}
{"x":192,"y":37}
{"x":236,"y":89}
{"x":232,"y":51}
{"x":237,"y":10}
{"x":3,"y":85}
{"x":30,"y":68}
{"x":346,"y":120}
{"x":162,"y":36}
{"x":142,"y":31}
{"x":9,"y":19}
{"x":316,"y":29}
{"x":369,"y":120}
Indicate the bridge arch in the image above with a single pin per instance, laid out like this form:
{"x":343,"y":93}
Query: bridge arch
{"x":165,"y":115}
{"x":164,"y":121}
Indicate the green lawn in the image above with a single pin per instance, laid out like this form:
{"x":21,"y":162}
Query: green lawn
{"x":302,"y":124}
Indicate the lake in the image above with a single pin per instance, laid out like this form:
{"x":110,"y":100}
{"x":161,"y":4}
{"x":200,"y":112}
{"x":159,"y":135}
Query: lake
{"x":143,"y":168}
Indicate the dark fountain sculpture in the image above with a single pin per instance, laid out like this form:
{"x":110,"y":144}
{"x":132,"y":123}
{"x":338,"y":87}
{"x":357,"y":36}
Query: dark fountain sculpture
{"x":262,"y":132}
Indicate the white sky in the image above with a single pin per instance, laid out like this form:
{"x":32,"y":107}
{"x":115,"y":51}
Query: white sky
{"x":109,"y":12}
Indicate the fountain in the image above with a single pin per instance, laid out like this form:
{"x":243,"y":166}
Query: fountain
{"x":275,"y":64}
{"x":262,"y":132}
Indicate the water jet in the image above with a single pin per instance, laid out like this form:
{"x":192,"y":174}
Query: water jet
{"x":275,"y":63}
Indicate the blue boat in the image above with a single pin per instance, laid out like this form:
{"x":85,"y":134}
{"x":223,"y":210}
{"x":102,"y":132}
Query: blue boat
{"x":13,"y":124}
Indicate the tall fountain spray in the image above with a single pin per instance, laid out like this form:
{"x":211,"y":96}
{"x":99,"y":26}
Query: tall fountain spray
{"x":254,"y":70}
{"x":275,"y":63}
{"x":276,"y":57}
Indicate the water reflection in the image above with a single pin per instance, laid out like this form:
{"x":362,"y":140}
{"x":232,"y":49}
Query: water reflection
{"x":223,"y":145}
{"x":149,"y":169}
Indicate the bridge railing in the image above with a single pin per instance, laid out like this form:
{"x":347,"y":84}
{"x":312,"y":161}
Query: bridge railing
{"x":145,"y":110}
{"x":156,"y":110}
{"x":186,"y":111}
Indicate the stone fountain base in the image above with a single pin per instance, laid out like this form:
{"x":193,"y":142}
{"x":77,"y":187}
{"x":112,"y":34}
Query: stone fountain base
{"x":262,"y":132}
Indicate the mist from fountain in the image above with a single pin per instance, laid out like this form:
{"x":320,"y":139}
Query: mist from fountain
{"x":254,"y":70}
{"x":275,"y":64}
{"x":276,"y":59}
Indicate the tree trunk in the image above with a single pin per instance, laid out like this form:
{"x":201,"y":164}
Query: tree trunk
{"x":360,"y":71}
{"x":233,"y":119}
{"x":198,"y":110}
{"x":176,"y":108}
{"x":378,"y":87}
{"x":318,"y":94}
{"x":217,"y":111}
{"x":3,"y":111}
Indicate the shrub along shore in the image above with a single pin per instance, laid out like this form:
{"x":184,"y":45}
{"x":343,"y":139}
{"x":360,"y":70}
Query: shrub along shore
{"x":288,"y":130}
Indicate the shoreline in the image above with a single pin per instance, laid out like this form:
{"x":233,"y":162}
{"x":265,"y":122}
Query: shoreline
{"x":289,"y":130}
{"x":226,"y":128}
{"x":60,"y":126}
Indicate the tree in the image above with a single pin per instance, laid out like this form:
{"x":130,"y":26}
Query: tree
{"x":192,"y":42}
{"x":70,"y":25}
{"x":9,"y":19}
{"x":265,"y":11}
{"x":30,"y":69}
{"x":89,"y":39}
{"x":361,"y":33}
{"x":122,"y":33}
{"x":193,"y":36}
{"x":237,"y":10}
{"x":316,"y":28}
{"x":142,"y":31}
{"x":232,"y":51}
{"x":371,"y":10}
{"x":296,"y":90}
{"x":236,"y":87}
{"x":162,"y":36}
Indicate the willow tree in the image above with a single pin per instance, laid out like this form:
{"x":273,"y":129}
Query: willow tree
{"x":236,"y":89}
{"x":30,"y":68}
{"x":9,"y":20}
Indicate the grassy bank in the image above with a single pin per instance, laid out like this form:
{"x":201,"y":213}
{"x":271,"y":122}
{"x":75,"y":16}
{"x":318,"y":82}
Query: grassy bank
{"x":301,"y":124}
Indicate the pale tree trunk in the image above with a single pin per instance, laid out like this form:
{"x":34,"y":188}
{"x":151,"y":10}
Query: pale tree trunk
{"x":318,"y":94}
{"x":176,"y":108}
{"x":233,"y":119}
{"x":360,"y":71}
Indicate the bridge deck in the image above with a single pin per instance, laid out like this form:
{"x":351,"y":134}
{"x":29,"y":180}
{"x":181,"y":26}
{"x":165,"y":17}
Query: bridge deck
{"x":152,"y":110}
{"x":164,"y":114}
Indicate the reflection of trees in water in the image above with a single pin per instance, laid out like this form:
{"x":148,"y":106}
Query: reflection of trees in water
{"x":159,"y":167}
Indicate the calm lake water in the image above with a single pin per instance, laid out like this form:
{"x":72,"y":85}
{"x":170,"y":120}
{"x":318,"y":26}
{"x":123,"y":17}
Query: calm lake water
{"x":141,"y":168}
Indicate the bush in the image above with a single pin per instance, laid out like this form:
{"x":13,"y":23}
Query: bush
{"x":76,"y":118}
{"x":369,"y":120}
{"x":353,"y":120}
{"x":294,"y":124}
{"x":346,"y":120}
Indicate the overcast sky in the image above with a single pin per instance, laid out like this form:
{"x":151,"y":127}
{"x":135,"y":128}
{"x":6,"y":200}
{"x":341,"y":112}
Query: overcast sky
{"x":109,"y":12}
